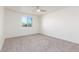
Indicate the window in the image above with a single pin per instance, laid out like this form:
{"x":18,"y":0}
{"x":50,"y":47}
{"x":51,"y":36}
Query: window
{"x":27,"y":21}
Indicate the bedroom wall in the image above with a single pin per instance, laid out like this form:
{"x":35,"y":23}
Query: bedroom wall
{"x":63,"y":24}
{"x":14,"y":26}
{"x":1,"y":26}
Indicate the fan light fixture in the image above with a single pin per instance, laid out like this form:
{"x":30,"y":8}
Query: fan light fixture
{"x":38,"y":10}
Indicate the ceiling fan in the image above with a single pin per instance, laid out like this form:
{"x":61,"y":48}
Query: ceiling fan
{"x":39,"y":10}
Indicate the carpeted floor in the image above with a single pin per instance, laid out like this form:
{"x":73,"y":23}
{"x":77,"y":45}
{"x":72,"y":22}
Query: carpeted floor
{"x":38,"y":43}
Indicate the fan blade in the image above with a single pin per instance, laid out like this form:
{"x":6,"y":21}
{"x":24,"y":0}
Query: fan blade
{"x":43,"y":10}
{"x":37,"y":7}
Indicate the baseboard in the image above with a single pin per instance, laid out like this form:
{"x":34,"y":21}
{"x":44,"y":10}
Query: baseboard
{"x":58,"y":38}
{"x":43,"y":35}
{"x":50,"y":36}
{"x":1,"y":44}
{"x":23,"y":36}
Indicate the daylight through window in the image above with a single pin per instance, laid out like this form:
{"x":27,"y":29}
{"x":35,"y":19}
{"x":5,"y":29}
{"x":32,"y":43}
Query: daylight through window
{"x":27,"y":21}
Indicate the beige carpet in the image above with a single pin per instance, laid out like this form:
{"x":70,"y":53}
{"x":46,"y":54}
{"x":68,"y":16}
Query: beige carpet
{"x":38,"y":43}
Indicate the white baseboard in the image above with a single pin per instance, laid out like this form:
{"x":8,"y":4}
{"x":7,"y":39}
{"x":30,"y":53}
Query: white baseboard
{"x":1,"y":44}
{"x":60,"y":38}
{"x":23,"y":36}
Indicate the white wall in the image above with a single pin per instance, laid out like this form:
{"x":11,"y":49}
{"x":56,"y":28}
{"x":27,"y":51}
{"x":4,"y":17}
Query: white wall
{"x":39,"y":18}
{"x":14,"y":26}
{"x":63,"y":24}
{"x":1,"y":26}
